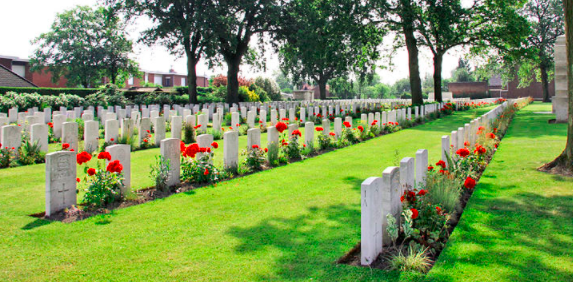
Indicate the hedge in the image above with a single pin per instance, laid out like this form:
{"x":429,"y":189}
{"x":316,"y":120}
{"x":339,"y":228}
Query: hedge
{"x":82,"y":92}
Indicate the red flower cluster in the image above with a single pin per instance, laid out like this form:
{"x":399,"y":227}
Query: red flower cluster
{"x":91,"y":171}
{"x":430,"y":168}
{"x":104,"y":156}
{"x":319,"y":129}
{"x":409,"y":196}
{"x":115,"y":166}
{"x":347,"y":124}
{"x":215,"y":145}
{"x":50,"y":124}
{"x":490,"y":135}
{"x":65,"y":146}
{"x":361,"y":128}
{"x":467,"y":143}
{"x":206,"y":172}
{"x":191,"y":150}
{"x":374,"y":123}
{"x":331,"y":134}
{"x":83,"y":158}
{"x":463,"y":152}
{"x":281,"y":126}
{"x":480,"y":150}
{"x":296,"y":132}
{"x":422,"y":192}
{"x":414,"y":213}
{"x":470,"y":183}
{"x":255,"y":146}
{"x":441,"y":163}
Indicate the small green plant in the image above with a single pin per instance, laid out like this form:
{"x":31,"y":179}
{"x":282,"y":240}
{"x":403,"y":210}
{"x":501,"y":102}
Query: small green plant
{"x":160,"y":173}
{"x":291,"y":150}
{"x":188,"y":133}
{"x":417,"y":261}
{"x":103,"y":185}
{"x":31,"y":153}
{"x":6,"y":156}
{"x":217,"y":134}
{"x":273,"y":154}
{"x":199,"y":168}
{"x":255,"y":158}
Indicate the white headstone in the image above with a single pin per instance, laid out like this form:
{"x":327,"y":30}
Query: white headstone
{"x":253,"y":138}
{"x":122,"y":153}
{"x":169,"y":149}
{"x":391,"y":203}
{"x":176,"y":126}
{"x":70,"y":135}
{"x":371,"y":220}
{"x":39,"y":134}
{"x":421,"y":167}
{"x":159,"y":130}
{"x":407,"y":174}
{"x":60,"y":181}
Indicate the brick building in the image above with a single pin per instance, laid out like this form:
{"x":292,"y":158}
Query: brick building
{"x":494,"y":88}
{"x":43,"y":78}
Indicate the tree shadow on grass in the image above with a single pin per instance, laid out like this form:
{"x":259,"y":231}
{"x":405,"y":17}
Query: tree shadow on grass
{"x":528,"y":237}
{"x":309,"y":245}
{"x":355,"y":182}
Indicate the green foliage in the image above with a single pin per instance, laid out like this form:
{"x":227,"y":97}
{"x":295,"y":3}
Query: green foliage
{"x":103,"y":187}
{"x":346,"y":42}
{"x":85,"y":45}
{"x":255,"y":159}
{"x":273,"y":154}
{"x":188,"y":133}
{"x":270,"y":87}
{"x":82,"y":92}
{"x":29,"y":100}
{"x":200,"y":170}
{"x":108,"y":95}
{"x":6,"y":157}
{"x":30,"y":153}
{"x":417,"y":261}
{"x":160,"y":173}
{"x":247,"y":95}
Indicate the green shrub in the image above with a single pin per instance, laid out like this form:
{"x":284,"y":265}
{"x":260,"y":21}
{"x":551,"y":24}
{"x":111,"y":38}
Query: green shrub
{"x":160,"y":173}
{"x":107,"y":95}
{"x":255,"y":158}
{"x":44,"y":91}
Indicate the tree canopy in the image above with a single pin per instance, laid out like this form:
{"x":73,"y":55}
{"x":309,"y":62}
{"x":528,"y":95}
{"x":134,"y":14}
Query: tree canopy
{"x":84,"y":46}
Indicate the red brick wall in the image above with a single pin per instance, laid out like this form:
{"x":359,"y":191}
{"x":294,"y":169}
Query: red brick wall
{"x":533,"y":90}
{"x":469,"y":89}
{"x":43,"y":79}
{"x":6,"y":62}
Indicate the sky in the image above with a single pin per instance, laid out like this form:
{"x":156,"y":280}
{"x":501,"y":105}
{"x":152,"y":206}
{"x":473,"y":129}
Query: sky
{"x":30,"y":18}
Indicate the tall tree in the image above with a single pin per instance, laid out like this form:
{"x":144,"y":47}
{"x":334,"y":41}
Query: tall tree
{"x":565,"y":160}
{"x":401,"y":17}
{"x":444,"y":25}
{"x":546,"y":20}
{"x":234,"y":23}
{"x":84,"y":45}
{"x":325,"y":39}
{"x":180,"y":25}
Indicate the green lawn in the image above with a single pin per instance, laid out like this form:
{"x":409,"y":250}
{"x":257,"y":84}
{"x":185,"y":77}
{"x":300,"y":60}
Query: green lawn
{"x":288,"y":223}
{"x":518,"y":224}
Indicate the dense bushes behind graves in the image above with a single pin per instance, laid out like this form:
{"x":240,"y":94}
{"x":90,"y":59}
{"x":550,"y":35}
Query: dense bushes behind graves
{"x":82,"y":92}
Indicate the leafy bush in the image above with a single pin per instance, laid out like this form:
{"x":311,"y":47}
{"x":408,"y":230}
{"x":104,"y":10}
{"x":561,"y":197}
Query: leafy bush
{"x":30,"y":153}
{"x":160,"y":173}
{"x":255,"y":158}
{"x":246,"y":95}
{"x":107,"y":95}
{"x":198,"y":168}
{"x":271,"y":88}
{"x":188,"y":133}
{"x":44,"y":91}
{"x":6,"y":156}
{"x":103,"y":185}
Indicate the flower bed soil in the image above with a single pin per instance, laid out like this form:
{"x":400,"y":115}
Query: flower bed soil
{"x":382,"y":262}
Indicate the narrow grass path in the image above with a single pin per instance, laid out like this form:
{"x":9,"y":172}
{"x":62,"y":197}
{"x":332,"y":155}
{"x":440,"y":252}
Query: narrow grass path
{"x":288,"y":223}
{"x":518,"y":224}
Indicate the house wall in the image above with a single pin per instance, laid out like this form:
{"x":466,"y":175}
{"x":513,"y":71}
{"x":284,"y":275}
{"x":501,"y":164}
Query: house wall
{"x":534,"y":90}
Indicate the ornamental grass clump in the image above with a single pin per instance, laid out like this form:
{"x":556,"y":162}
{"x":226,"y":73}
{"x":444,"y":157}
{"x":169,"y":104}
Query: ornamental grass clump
{"x":103,"y":184}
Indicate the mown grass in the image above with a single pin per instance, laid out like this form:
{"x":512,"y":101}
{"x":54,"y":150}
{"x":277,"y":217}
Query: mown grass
{"x":517,"y":225}
{"x":288,"y":223}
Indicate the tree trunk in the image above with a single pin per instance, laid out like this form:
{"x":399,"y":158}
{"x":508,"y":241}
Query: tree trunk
{"x":544,"y":82}
{"x":438,"y":59}
{"x":192,"y":78}
{"x":233,"y":79}
{"x":415,"y":81}
{"x":569,"y":34}
{"x":322,"y":87}
{"x":565,"y":160}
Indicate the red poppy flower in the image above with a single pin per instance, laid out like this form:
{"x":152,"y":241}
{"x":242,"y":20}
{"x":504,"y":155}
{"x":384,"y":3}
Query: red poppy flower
{"x":347,"y":124}
{"x":255,"y":146}
{"x":206,"y":172}
{"x":361,"y":128}
{"x":104,"y":156}
{"x":438,"y":210}
{"x":266,"y":150}
{"x":91,"y":171}
{"x":331,"y":134}
{"x":148,"y":131}
{"x":422,"y":192}
{"x":115,"y":166}
{"x":13,"y":148}
{"x":491,"y":135}
{"x":281,"y":126}
{"x":319,"y":129}
{"x":441,"y":163}
{"x":466,"y":143}
{"x":83,"y":157}
{"x":192,"y":150}
{"x":480,"y":150}
{"x":78,"y":179}
{"x":402,"y":199}
{"x":430,"y":168}
{"x":463,"y":152}
{"x":414,"y":213}
{"x":65,"y":146}
{"x":145,"y":140}
{"x":215,"y":145}
{"x":111,"y":139}
{"x":296,"y":132}
{"x":470,"y":183}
